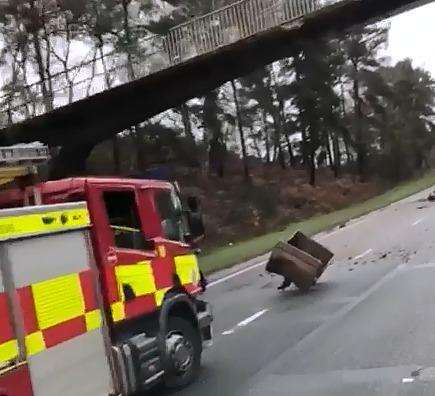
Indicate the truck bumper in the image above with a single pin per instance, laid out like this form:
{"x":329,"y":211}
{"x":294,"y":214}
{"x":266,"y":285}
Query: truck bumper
{"x":205,"y":320}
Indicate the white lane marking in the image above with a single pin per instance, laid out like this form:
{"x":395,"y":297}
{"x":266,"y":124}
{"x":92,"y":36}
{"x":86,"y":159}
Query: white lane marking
{"x":417,"y":222}
{"x":407,"y":380}
{"x":233,"y":275}
{"x":245,"y":322}
{"x":252,"y":318}
{"x":364,"y":254}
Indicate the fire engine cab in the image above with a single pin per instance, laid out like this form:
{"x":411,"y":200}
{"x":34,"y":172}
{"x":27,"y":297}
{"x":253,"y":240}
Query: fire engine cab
{"x":99,"y":284}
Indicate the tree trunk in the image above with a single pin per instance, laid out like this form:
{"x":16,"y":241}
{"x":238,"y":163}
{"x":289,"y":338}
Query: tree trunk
{"x":46,"y":94}
{"x":255,"y":140}
{"x":312,"y":168}
{"x":30,"y":107}
{"x":241,"y":132}
{"x":290,"y":150}
{"x":277,"y":141}
{"x":337,"y":156}
{"x":48,"y":64}
{"x":329,"y":152}
{"x":343,"y":103}
{"x":349,"y":155}
{"x":281,"y":158}
{"x":336,"y":141}
{"x":266,"y":137}
{"x":360,"y":146}
{"x":213,"y":128}
{"x":13,"y":84}
{"x":46,"y":97}
{"x":71,"y":160}
{"x":304,"y":146}
{"x":126,"y":25}
{"x":304,"y":143}
{"x":185,"y":116}
{"x":287,"y":138}
{"x":267,"y":145}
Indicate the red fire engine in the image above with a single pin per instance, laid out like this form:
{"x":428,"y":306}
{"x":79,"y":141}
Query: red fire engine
{"x":98,"y":284}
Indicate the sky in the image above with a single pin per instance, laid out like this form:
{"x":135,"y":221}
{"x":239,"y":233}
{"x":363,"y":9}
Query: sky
{"x":412,"y":35}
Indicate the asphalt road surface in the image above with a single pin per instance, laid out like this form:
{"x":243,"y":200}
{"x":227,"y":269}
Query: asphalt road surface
{"x":367,"y":328}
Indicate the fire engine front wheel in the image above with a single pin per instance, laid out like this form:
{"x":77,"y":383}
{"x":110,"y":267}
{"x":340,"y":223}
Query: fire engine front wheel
{"x":184,"y":347}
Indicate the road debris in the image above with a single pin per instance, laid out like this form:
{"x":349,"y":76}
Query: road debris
{"x":416,"y":373}
{"x":301,"y":260}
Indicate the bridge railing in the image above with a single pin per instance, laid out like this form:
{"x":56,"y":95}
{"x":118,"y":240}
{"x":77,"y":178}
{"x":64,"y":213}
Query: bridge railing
{"x":230,"y":24}
{"x":198,"y":36}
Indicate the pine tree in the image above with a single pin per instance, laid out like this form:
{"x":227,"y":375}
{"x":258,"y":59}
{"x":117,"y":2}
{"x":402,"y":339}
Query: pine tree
{"x":361,"y":52}
{"x":316,"y":69}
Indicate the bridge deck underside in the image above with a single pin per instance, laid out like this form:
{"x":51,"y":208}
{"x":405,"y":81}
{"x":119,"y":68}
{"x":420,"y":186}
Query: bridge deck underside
{"x":97,"y":118}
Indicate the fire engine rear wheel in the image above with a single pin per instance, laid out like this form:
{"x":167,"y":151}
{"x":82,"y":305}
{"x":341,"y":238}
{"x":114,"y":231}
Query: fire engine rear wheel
{"x":184,"y":347}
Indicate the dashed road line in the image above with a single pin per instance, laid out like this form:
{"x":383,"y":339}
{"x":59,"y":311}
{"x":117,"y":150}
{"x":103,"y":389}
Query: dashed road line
{"x":245,"y":322}
{"x":367,"y":252}
{"x":417,"y":222}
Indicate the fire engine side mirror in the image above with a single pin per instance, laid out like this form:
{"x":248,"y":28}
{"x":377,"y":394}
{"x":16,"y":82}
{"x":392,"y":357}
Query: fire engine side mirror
{"x":193,"y":204}
{"x":195,"y":221}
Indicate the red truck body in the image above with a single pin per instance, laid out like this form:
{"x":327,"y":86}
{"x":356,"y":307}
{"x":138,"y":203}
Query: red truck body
{"x":148,"y":271}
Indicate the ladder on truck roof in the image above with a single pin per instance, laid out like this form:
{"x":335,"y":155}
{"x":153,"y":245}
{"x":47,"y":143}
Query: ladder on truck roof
{"x":20,"y":161}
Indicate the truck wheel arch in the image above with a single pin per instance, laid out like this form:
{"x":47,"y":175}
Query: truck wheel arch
{"x":176,"y":303}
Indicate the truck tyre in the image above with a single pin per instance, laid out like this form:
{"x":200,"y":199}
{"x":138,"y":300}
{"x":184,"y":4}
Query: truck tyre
{"x":184,"y":348}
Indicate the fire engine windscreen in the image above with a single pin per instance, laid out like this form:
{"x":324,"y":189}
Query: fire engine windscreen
{"x":171,"y":215}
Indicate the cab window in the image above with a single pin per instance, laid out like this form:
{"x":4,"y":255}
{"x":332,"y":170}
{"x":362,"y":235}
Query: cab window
{"x":171,"y":215}
{"x":124,"y":220}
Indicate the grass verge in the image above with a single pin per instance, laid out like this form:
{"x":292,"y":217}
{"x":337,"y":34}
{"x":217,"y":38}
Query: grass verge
{"x":228,"y":256}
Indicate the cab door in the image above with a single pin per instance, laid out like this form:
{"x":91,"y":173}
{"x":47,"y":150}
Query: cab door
{"x":172,"y":244}
{"x":123,"y":251}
